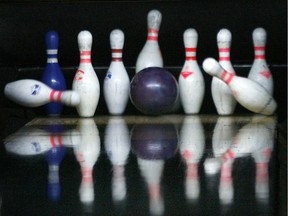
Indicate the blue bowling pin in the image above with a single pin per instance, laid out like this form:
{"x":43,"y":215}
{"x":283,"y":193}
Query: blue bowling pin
{"x":53,"y":75}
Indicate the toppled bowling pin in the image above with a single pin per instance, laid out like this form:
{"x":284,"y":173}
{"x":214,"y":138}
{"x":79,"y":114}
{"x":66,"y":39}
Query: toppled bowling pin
{"x":248,"y":93}
{"x":33,"y":93}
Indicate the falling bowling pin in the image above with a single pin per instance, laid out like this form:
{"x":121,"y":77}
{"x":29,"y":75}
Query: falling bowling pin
{"x":86,"y":82}
{"x":52,"y":75}
{"x":116,"y":83}
{"x":248,"y":93}
{"x":259,"y":71}
{"x":223,"y":98}
{"x":150,"y":55}
{"x":191,"y":81}
{"x":33,"y":93}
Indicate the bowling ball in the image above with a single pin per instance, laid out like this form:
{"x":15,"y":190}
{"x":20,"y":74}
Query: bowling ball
{"x":154,"y":141}
{"x":154,"y":91}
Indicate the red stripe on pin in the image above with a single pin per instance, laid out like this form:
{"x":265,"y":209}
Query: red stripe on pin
{"x":85,"y":52}
{"x":52,"y":95}
{"x":259,"y":56}
{"x":259,"y":48}
{"x":85,"y":60}
{"x":223,"y":74}
{"x":52,"y":141}
{"x":224,"y":49}
{"x":190,"y":49}
{"x":153,"y":38}
{"x":59,"y":96}
{"x":224,"y":58}
{"x":116,"y":50}
{"x":231,"y":76}
{"x":155,"y":31}
{"x":116,"y":59}
{"x":191,"y":58}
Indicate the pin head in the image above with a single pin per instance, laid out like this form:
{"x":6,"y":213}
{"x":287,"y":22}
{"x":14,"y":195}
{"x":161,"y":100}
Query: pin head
{"x":190,"y":37}
{"x":154,"y":19}
{"x":85,"y":40}
{"x":259,"y":36}
{"x":116,"y":39}
{"x":52,"y":40}
{"x":224,"y":38}
{"x":211,"y":66}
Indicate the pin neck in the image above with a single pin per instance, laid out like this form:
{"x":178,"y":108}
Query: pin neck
{"x":226,"y":76}
{"x":55,"y":96}
{"x":117,"y":55}
{"x":190,"y":53}
{"x":87,"y":175}
{"x":55,"y":140}
{"x":259,"y":52}
{"x":85,"y":56}
{"x":224,"y":54}
{"x":192,"y":171}
{"x":152,"y":34}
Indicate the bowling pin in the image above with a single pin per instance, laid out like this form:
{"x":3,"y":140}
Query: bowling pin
{"x":259,"y":71}
{"x":87,"y":153}
{"x":226,"y":189}
{"x":33,"y":93}
{"x":54,"y":158}
{"x":192,"y":144}
{"x":86,"y":82}
{"x":116,"y":83}
{"x":191,"y":81}
{"x":248,"y":93}
{"x":52,"y":75}
{"x":221,"y":94}
{"x":35,"y":141}
{"x":150,"y":55}
{"x":117,"y":147}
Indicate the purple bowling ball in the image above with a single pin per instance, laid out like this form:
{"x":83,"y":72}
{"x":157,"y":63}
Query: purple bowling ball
{"x":154,"y":141}
{"x":154,"y":91}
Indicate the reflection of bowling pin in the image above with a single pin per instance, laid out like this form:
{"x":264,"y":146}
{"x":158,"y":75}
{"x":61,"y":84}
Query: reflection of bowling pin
{"x":54,"y":157}
{"x":192,"y":143}
{"x":247,"y":92}
{"x":87,"y":152}
{"x":222,"y":96}
{"x":222,"y":137}
{"x":152,"y":170}
{"x":34,"y":141}
{"x":116,"y":83}
{"x":191,"y":81}
{"x":259,"y":71}
{"x":53,"y":76}
{"x":226,"y":190}
{"x":86,"y":82}
{"x":32,"y":93}
{"x":150,"y":55}
{"x":117,"y":146}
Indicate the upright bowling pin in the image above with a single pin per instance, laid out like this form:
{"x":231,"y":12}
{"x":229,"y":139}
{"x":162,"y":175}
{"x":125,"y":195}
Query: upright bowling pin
{"x":191,"y":81}
{"x":87,"y":153}
{"x":222,"y":96}
{"x":259,"y":71}
{"x":33,"y":93}
{"x":150,"y":55}
{"x":248,"y":93}
{"x":192,"y":144}
{"x":116,"y":83}
{"x":53,"y":76}
{"x":86,"y":82}
{"x":117,"y":146}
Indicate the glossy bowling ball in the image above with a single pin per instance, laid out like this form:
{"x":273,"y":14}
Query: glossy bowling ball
{"x":154,"y":91}
{"x":154,"y":141}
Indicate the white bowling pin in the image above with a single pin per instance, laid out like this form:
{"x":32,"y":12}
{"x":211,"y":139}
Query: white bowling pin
{"x":33,"y":93}
{"x":34,"y":141}
{"x":192,"y":144}
{"x":191,"y":81}
{"x":86,"y":82}
{"x":152,"y":170}
{"x":150,"y":55}
{"x":259,"y":71}
{"x":116,"y":83}
{"x":87,"y":153}
{"x":117,"y":146}
{"x":222,"y":96}
{"x":248,"y":93}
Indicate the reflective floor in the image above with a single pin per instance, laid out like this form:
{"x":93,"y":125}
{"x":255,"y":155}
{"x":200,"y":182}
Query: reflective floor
{"x":142,"y":165}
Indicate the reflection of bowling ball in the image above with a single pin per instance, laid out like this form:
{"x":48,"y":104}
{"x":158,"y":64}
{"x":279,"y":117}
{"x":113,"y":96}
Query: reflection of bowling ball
{"x":154,"y":141}
{"x":154,"y":91}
